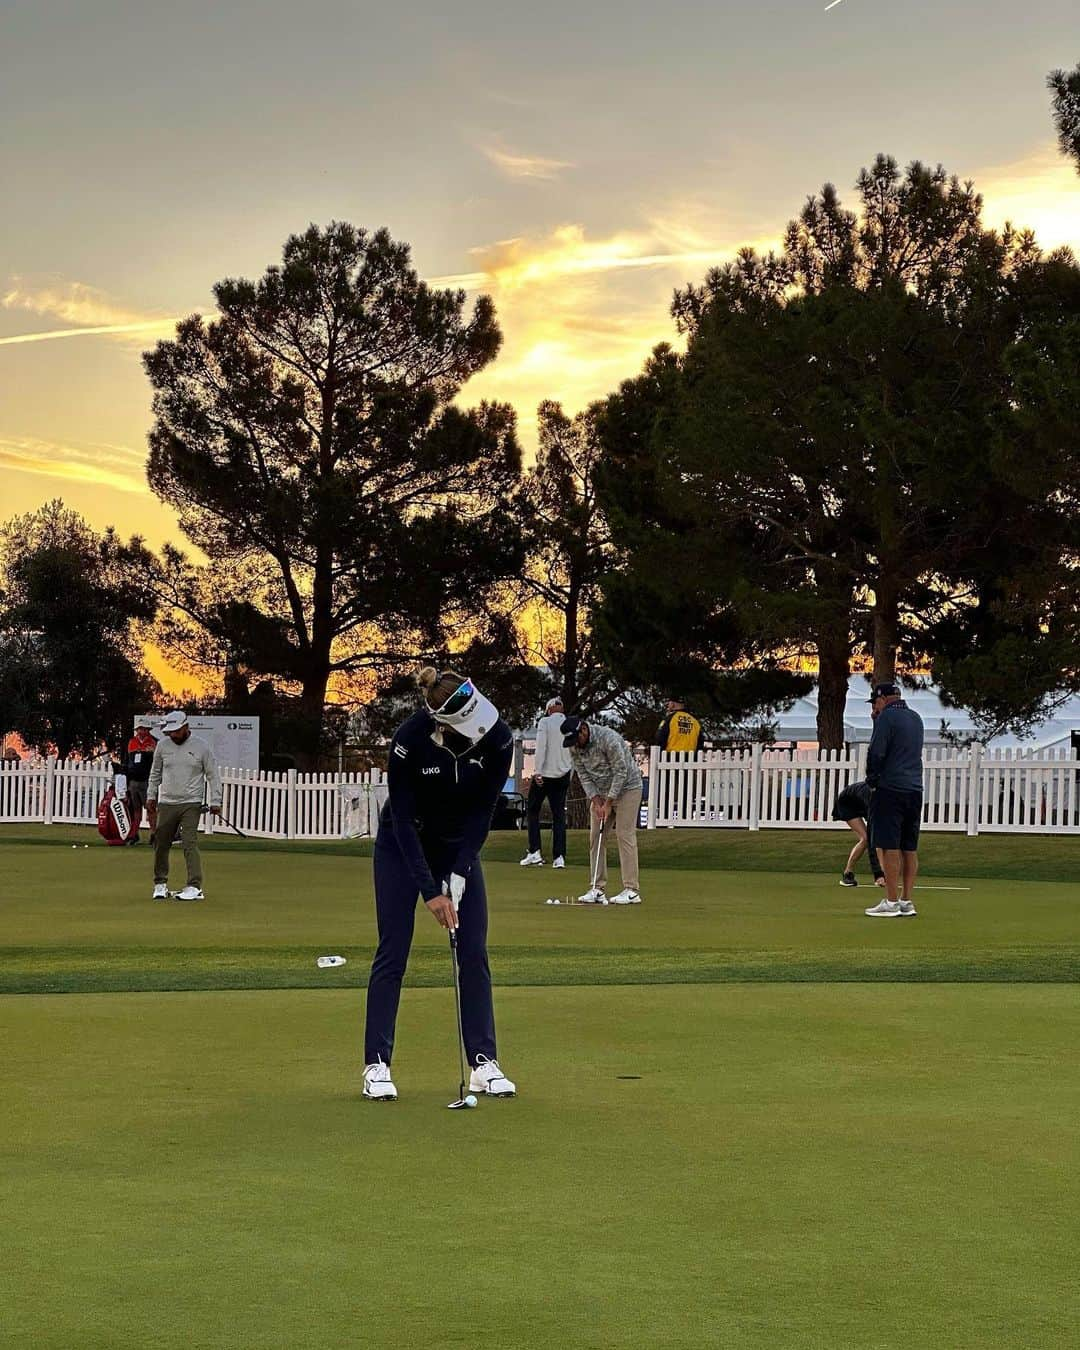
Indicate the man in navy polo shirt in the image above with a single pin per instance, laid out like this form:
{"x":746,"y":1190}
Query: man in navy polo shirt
{"x":894,"y":769}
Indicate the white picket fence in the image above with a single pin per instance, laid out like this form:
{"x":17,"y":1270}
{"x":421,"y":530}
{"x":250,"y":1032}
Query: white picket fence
{"x":973,"y":791}
{"x":286,"y":805}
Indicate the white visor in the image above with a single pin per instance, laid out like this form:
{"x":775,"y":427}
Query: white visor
{"x":473,"y":716}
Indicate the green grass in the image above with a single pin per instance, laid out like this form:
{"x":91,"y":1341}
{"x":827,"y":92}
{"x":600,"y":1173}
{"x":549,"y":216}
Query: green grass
{"x":790,"y":1166}
{"x":79,"y":920}
{"x":1003,"y":857}
{"x":749,"y":1117}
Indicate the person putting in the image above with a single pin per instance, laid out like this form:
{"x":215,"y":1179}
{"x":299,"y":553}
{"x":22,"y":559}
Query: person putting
{"x":853,"y":807}
{"x":611,"y":779}
{"x":448,"y":764}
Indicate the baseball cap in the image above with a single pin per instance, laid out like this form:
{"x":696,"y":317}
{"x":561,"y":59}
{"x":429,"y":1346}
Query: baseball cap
{"x":569,"y":729}
{"x":174,"y":721}
{"x":886,"y":690}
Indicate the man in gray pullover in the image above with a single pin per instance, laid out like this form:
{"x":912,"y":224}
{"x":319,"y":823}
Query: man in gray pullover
{"x":611,"y":779}
{"x":182,"y":772}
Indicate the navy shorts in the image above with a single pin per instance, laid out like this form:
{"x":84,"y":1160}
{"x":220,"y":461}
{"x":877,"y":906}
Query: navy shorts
{"x":895,"y":819}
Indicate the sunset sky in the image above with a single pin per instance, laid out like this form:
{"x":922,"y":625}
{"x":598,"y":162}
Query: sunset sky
{"x":578,"y":161}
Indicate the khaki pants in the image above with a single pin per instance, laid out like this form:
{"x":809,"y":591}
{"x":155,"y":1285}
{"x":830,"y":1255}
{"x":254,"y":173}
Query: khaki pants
{"x":182,"y":817}
{"x":623,"y":820}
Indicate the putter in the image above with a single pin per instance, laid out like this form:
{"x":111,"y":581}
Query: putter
{"x":225,"y":821}
{"x":599,"y":846}
{"x":461,"y":1103}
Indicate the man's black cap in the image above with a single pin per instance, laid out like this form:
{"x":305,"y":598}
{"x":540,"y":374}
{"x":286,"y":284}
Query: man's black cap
{"x":887,"y":690}
{"x":569,"y":729}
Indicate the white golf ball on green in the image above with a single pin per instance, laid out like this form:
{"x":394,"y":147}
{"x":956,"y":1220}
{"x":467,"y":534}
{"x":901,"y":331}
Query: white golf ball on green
{"x":470,"y":1100}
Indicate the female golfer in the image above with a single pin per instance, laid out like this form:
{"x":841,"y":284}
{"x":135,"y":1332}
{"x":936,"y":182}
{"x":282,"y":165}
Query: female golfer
{"x":853,"y":807}
{"x":448,"y":763}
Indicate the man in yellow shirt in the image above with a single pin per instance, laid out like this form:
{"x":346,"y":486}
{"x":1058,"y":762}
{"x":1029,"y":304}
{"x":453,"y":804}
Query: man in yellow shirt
{"x":680,"y":731}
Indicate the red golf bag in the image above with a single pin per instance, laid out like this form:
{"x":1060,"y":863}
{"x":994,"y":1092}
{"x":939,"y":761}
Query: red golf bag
{"x":114,"y":821}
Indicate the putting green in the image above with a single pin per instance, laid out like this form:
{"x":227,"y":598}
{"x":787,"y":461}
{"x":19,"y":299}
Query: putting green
{"x":749,"y":1166}
{"x":80,"y":919}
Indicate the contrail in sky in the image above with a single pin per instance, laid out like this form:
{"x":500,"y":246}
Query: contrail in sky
{"x":87,"y":332}
{"x":832,"y":5}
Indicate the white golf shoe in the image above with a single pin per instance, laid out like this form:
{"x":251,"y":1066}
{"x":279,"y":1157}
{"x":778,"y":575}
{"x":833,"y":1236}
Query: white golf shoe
{"x":559,"y":864}
{"x":161,"y":891}
{"x":594,"y":896}
{"x":907,"y":909}
{"x":378,"y":1085}
{"x":885,"y":909}
{"x":189,"y":893}
{"x":627,"y":897}
{"x":488,"y":1077}
{"x":532,"y":860}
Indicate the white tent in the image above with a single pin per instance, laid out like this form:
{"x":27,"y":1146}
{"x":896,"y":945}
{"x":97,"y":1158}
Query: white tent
{"x":799,"y":722}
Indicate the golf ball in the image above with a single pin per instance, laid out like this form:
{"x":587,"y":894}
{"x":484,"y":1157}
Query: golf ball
{"x":74,"y":846}
{"x":470,"y":1100}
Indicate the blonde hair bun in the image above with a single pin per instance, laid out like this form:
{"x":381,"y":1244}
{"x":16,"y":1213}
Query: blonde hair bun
{"x":428,"y":677}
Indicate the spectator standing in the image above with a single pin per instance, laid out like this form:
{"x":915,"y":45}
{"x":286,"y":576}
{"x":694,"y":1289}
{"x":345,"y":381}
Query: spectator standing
{"x":611,"y":779}
{"x":137,"y":763}
{"x":183,"y":771}
{"x":680,"y":731}
{"x":894,"y":770}
{"x":551,"y":780}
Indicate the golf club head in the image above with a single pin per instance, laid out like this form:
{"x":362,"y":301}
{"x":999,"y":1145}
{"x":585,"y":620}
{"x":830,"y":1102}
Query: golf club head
{"x":462,"y":1104}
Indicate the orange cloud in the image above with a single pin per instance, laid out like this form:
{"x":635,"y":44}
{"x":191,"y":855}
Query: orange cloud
{"x":102,"y":465}
{"x":534,"y":167}
{"x":1040,"y":192}
{"x":86,"y":307}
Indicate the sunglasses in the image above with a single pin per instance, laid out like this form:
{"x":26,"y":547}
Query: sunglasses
{"x":457,"y":700}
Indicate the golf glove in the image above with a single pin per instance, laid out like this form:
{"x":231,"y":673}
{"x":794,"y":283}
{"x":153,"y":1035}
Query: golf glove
{"x":457,"y":890}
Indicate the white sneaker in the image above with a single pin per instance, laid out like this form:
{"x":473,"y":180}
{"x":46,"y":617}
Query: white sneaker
{"x":488,"y":1077}
{"x":189,"y":893}
{"x":161,"y":891}
{"x":378,"y":1086}
{"x":532,"y":860}
{"x":885,"y":909}
{"x":626,"y":897}
{"x":594,"y":896}
{"x":559,"y":864}
{"x":907,"y":909}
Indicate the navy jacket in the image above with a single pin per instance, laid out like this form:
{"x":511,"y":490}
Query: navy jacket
{"x":442,"y":802}
{"x":894,"y":759}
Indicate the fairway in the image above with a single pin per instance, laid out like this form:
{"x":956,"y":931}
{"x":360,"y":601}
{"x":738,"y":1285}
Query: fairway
{"x":748,"y":1116}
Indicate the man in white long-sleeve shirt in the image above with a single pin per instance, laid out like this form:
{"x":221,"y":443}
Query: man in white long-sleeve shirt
{"x":551,"y":779}
{"x":182,"y":773}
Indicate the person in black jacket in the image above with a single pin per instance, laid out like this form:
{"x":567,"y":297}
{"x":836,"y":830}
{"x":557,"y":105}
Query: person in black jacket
{"x":853,"y":808}
{"x":894,"y":769}
{"x":447,"y":765}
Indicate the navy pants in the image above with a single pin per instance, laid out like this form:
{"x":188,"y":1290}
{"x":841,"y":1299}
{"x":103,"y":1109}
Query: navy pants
{"x":555,"y":790}
{"x":396,"y":895}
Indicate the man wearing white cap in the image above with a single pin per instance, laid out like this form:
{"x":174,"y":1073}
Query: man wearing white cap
{"x":184,"y":769}
{"x":551,"y":779}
